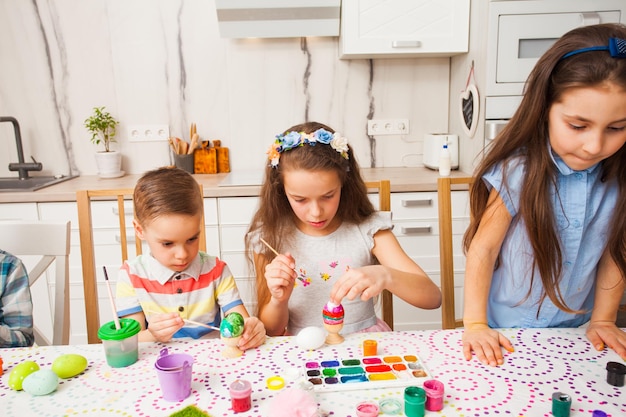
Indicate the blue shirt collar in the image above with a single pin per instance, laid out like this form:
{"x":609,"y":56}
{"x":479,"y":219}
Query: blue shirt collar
{"x":563,"y":168}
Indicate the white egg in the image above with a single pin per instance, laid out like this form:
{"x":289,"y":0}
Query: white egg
{"x":41,"y":382}
{"x":311,"y":338}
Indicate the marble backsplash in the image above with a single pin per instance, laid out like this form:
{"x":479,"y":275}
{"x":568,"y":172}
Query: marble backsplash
{"x":163,"y":62}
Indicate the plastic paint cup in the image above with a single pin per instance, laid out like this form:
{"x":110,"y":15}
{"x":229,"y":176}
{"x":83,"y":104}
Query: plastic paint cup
{"x":615,"y":373}
{"x":370,"y":348}
{"x":367,"y":409}
{"x":121,"y":347}
{"x":240,"y":395}
{"x":414,"y":399}
{"x":174,"y":372}
{"x":561,"y":404}
{"x":434,"y":395}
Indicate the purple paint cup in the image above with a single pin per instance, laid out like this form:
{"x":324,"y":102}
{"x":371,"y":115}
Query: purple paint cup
{"x":174,"y":372}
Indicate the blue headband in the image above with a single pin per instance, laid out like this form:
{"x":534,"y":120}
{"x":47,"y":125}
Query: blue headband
{"x":616,"y":47}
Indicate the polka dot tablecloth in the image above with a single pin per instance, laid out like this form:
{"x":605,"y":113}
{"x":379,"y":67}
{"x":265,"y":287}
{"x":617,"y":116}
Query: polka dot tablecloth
{"x":545,"y":361}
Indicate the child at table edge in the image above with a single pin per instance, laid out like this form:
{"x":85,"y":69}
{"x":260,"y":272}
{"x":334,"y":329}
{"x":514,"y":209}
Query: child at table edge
{"x":16,"y":307}
{"x":546,"y":246}
{"x":334,"y":246}
{"x":176,"y":280}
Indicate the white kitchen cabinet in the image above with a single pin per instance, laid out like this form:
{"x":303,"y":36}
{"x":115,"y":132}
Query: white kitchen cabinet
{"x":234,"y":216}
{"x":404,"y":28}
{"x":416,"y":226}
{"x":18,"y":211}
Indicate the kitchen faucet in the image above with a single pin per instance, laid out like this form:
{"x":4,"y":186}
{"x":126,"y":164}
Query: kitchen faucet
{"x":21,"y":166}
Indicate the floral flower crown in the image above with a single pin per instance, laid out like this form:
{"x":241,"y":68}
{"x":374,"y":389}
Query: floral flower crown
{"x":290,"y":140}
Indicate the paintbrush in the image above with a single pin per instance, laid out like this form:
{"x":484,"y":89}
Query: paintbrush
{"x":270,"y":247}
{"x":197,"y":323}
{"x":115,"y":318}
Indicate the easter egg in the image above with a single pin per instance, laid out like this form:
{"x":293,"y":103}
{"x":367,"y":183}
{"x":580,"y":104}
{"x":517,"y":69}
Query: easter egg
{"x":69,"y":365}
{"x":232,"y":325}
{"x":21,"y":371}
{"x":311,"y":338}
{"x":41,"y":382}
{"x":332,"y":313}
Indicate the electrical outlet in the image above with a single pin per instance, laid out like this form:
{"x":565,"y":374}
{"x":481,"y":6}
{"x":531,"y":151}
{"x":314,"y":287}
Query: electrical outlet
{"x":388,"y":127}
{"x":148,"y":133}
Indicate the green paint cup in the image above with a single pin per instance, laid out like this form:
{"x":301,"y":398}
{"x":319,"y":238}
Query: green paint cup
{"x":121,"y":347}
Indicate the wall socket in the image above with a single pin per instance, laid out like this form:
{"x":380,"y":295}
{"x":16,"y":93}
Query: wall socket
{"x":148,"y":133}
{"x":388,"y":127}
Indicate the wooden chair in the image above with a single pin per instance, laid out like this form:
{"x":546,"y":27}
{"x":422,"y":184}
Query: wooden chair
{"x":84,"y":198}
{"x":383,"y":187}
{"x":446,"y":249}
{"x":51,"y":243}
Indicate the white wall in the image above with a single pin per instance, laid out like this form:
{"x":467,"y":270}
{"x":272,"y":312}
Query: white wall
{"x":163,"y":62}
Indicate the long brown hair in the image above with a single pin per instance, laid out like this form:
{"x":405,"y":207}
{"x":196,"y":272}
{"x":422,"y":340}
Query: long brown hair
{"x":526,"y":135}
{"x":275,"y":220}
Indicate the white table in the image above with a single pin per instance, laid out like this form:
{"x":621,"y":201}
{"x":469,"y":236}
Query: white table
{"x":545,"y":361}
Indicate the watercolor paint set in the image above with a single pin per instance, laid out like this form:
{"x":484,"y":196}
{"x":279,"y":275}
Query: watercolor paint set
{"x":366,"y":372}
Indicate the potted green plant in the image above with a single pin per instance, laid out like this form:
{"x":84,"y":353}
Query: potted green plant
{"x":102,"y":127}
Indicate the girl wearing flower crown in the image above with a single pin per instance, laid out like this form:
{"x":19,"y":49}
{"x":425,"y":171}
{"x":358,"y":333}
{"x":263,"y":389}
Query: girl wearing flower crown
{"x":546,"y":246}
{"x":333,"y":244}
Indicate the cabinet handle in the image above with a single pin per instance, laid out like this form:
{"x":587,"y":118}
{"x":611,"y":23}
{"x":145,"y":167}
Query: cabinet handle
{"x":416,"y":229}
{"x":128,"y":211}
{"x":417,"y":203}
{"x":129,"y":239}
{"x":406,"y":44}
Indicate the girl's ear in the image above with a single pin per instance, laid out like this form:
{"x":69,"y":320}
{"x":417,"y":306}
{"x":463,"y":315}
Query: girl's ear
{"x":138,"y":229}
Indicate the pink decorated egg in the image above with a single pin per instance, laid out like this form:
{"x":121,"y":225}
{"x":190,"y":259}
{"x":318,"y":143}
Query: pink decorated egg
{"x":332,"y":313}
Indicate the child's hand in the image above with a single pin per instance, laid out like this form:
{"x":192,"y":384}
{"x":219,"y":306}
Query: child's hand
{"x":601,"y":333}
{"x":365,"y":282}
{"x":163,"y":326}
{"x":280,"y":276}
{"x":253,"y":333}
{"x":485,"y":342}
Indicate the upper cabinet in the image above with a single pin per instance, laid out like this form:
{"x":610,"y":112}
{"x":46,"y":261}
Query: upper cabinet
{"x":403,"y":28}
{"x":277,"y":18}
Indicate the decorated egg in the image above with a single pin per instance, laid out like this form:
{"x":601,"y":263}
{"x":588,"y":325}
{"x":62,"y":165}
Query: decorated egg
{"x":69,"y":365}
{"x":232,"y":325}
{"x":41,"y":382}
{"x":311,"y":338}
{"x":333,"y":314}
{"x":21,"y":371}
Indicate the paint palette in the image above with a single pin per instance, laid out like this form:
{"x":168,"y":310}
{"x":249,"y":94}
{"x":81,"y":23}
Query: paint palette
{"x":365,"y":373}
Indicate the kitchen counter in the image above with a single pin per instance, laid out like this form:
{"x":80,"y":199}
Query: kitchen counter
{"x":402,"y":180}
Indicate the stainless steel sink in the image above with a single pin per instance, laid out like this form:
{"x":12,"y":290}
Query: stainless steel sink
{"x":31,"y":183}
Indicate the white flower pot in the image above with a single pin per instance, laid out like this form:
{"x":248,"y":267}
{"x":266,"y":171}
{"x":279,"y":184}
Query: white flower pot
{"x":109,"y":164}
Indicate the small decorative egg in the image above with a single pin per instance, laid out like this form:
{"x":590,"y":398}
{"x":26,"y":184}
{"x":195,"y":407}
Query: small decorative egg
{"x":21,"y":371}
{"x":69,"y":365}
{"x":41,"y":382}
{"x":232,"y":325}
{"x":332,"y":313}
{"x":311,"y":338}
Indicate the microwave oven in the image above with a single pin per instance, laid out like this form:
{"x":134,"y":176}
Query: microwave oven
{"x":519,"y":32}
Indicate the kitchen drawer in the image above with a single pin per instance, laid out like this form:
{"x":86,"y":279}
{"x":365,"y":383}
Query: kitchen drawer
{"x":408,"y":317}
{"x":232,"y":238}
{"x":18,"y":211}
{"x":210,"y":211}
{"x":425,"y":205}
{"x":237,"y":210}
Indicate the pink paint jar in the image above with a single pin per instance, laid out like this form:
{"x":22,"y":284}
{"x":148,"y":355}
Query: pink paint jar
{"x":367,"y":409}
{"x":434,"y":395}
{"x":240,"y":395}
